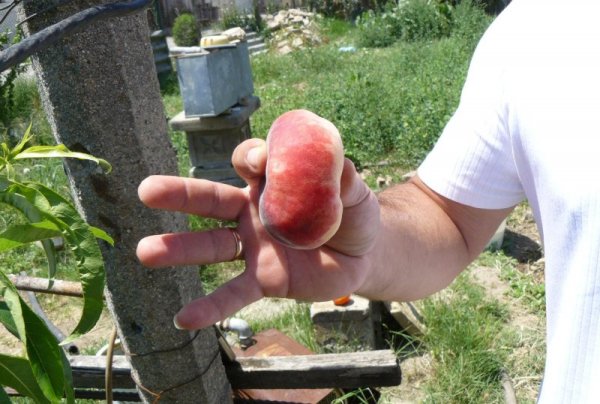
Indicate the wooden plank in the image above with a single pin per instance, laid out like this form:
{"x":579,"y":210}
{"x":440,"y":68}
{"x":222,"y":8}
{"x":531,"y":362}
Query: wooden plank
{"x":346,"y":370}
{"x":273,"y":342}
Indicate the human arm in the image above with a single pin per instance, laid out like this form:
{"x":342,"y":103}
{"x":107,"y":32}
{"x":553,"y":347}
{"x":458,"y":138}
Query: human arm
{"x":403,"y":244}
{"x":424,"y":242}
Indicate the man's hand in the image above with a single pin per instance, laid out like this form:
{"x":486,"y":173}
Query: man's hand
{"x":338,"y":268}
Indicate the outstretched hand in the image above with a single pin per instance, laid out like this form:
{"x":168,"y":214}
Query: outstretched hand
{"x":271,"y":269}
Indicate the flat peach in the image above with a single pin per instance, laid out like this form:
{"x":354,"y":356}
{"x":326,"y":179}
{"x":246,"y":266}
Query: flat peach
{"x":300,"y":203}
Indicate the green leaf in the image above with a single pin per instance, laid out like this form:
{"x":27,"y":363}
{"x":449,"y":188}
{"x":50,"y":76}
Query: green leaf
{"x":32,"y":204}
{"x":43,"y":350}
{"x":26,"y":138}
{"x":7,"y":320}
{"x":13,"y":303}
{"x":16,"y":373}
{"x":44,"y":353}
{"x":90,"y":265}
{"x":51,"y":256}
{"x":60,"y":151}
{"x":5,"y":151}
{"x":102,"y":235}
{"x":25,"y":199}
{"x":37,"y":201}
{"x":68,"y":375}
{"x":21,"y":234}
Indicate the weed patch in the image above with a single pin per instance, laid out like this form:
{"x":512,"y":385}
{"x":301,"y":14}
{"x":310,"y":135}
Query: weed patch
{"x":468,"y":341}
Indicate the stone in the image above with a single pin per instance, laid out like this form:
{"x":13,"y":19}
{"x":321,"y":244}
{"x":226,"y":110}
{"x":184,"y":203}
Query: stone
{"x":406,"y":314}
{"x":273,"y":25}
{"x":235,"y":33}
{"x":352,"y":323}
{"x":294,"y":30}
{"x":297,"y":42}
{"x":284,"y":50}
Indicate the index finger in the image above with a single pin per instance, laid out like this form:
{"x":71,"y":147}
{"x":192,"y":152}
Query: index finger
{"x":192,"y":195}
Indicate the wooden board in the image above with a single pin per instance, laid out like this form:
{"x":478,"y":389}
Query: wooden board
{"x":347,"y":370}
{"x":275,"y":343}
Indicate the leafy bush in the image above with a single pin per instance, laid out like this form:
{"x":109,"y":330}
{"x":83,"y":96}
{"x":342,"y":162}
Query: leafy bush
{"x":411,"y":20}
{"x":422,"y":20}
{"x":44,"y":374}
{"x":347,"y":9}
{"x":231,"y":18}
{"x":374,"y":31}
{"x":469,"y":20}
{"x":185,"y":30}
{"x":8,"y":108}
{"x":334,"y":28}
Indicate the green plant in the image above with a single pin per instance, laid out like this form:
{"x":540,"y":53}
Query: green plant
{"x":411,"y":20}
{"x":294,"y":322}
{"x":374,"y":31}
{"x":347,"y":9}
{"x":423,"y":20}
{"x":185,"y":30}
{"x":468,"y":21}
{"x":358,"y":396}
{"x":44,"y":374}
{"x":523,"y":286}
{"x":334,"y":28}
{"x":467,"y":338}
{"x":231,"y":18}
{"x":8,"y":109}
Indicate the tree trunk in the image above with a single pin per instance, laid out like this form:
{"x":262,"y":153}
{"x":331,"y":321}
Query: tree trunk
{"x":101,"y":95}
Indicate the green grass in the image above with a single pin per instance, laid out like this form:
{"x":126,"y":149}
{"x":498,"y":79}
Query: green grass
{"x":469,"y":343}
{"x":523,"y":286}
{"x":295,"y":323}
{"x":388,"y":104}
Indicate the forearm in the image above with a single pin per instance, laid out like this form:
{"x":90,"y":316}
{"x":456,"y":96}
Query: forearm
{"x":424,"y":242}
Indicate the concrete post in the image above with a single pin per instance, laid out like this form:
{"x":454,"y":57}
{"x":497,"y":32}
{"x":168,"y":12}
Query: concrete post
{"x":211,"y":140}
{"x":101,"y":95}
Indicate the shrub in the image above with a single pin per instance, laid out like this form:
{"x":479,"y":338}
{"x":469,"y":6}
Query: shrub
{"x":422,"y":20}
{"x":469,"y":20}
{"x":347,"y":9}
{"x":8,"y":104}
{"x":411,"y":20}
{"x":185,"y":30}
{"x":374,"y":31}
{"x":231,"y":18}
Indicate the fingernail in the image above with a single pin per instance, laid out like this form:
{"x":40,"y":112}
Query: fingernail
{"x":176,"y":323}
{"x":252,"y":157}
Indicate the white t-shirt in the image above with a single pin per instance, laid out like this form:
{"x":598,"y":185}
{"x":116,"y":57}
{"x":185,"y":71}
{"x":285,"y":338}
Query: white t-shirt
{"x":528,"y":126}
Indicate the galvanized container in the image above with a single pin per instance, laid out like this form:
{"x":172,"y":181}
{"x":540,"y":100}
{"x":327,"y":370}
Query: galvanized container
{"x":213,"y":80}
{"x":246,"y":83}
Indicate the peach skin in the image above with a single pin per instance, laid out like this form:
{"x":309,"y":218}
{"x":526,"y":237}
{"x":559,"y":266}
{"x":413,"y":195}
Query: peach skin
{"x":300,"y":203}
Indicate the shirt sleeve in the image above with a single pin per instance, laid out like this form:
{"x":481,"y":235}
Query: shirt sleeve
{"x":472,"y":163}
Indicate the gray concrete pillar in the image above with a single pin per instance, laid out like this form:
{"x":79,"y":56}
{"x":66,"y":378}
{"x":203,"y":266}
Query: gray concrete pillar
{"x":101,"y":95}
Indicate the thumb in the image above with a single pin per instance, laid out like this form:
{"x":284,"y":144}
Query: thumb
{"x":249,"y":160}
